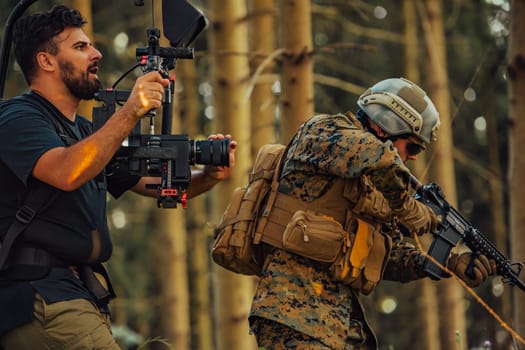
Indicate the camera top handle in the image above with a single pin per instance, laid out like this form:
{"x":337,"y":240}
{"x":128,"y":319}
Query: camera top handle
{"x":162,"y":59}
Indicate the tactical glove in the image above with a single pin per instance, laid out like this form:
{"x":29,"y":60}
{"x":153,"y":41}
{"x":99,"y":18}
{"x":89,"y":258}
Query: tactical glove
{"x":416,"y":217}
{"x":475,"y":274}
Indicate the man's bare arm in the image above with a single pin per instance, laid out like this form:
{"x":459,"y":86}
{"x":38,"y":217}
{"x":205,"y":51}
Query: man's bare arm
{"x":68,"y":168}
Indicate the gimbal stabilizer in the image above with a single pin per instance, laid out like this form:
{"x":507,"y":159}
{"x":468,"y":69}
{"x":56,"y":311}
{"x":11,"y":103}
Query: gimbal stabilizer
{"x":166,"y":156}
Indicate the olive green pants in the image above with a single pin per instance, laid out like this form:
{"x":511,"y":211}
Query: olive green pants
{"x":67,"y":325}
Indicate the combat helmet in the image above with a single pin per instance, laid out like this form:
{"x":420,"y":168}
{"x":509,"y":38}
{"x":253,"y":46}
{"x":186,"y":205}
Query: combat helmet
{"x":400,"y":107}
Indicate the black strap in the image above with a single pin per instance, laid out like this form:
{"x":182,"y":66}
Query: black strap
{"x":56,"y":117}
{"x":40,"y":194}
{"x":39,"y":197}
{"x":102,"y":293}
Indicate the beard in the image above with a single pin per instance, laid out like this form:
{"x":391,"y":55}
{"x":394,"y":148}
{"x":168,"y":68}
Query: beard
{"x":77,"y":83}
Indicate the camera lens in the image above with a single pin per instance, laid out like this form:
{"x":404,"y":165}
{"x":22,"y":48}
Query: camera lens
{"x":214,"y":152}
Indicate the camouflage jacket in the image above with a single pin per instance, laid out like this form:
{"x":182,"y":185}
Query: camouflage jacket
{"x":300,"y":293}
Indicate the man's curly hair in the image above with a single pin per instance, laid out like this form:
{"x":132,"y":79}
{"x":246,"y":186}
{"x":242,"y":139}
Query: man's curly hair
{"x":36,"y":33}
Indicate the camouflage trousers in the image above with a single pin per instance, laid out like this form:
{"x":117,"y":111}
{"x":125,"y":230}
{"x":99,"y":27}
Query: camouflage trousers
{"x":272,"y":335}
{"x":276,"y":336}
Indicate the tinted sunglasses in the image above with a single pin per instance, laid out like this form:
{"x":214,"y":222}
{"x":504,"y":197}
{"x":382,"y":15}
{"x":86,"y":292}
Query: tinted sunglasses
{"x":414,"y":149}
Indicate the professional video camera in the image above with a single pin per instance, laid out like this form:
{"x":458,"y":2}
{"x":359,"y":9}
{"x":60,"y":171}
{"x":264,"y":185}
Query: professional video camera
{"x":161,"y":155}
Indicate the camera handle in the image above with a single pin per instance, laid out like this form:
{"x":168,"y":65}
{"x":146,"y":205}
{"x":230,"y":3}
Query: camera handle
{"x":162,"y":59}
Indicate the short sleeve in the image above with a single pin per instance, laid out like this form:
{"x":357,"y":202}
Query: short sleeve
{"x":25,"y":135}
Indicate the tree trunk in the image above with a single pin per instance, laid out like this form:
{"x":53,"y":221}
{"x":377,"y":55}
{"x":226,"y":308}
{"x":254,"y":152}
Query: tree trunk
{"x":229,"y":76}
{"x":297,"y":93}
{"x":262,"y":65}
{"x":501,"y":303}
{"x":198,"y":232}
{"x":424,"y":291}
{"x":452,"y":303}
{"x":516,"y":84}
{"x":173,"y":282}
{"x":172,"y":278}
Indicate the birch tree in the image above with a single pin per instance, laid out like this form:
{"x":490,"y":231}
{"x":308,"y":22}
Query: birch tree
{"x":297,"y":100}
{"x":228,"y":40}
{"x":452,"y":303}
{"x":262,"y":40}
{"x":425,"y":289}
{"x":171,"y":252}
{"x":516,"y":172}
{"x":197,"y":228}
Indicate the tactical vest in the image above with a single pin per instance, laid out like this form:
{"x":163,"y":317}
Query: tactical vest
{"x":360,"y":250}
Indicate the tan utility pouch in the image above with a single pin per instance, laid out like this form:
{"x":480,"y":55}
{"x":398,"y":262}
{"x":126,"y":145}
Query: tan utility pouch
{"x":232,"y":248}
{"x":361,"y":263}
{"x":317,"y":237}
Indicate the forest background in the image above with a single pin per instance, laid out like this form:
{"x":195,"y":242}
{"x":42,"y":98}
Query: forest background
{"x":260,"y":69}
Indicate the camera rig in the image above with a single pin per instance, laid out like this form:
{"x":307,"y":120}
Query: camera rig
{"x":163,"y":155}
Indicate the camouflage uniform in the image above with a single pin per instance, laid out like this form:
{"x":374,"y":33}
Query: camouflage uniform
{"x":296,"y":294}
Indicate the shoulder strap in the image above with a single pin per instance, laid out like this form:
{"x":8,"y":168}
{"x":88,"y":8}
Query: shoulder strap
{"x":39,"y":196}
{"x":271,"y":197}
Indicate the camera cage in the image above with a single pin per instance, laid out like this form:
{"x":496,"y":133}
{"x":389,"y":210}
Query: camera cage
{"x":162,"y":155}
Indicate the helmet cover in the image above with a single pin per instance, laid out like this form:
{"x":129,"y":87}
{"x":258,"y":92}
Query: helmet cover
{"x":400,"y":107}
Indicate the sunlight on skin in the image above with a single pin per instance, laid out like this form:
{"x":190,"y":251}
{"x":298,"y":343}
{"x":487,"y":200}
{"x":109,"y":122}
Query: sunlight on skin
{"x":88,"y":153}
{"x":143,"y":99}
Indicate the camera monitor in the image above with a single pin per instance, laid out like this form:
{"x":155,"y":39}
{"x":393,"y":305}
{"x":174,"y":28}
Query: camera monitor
{"x":181,"y":22}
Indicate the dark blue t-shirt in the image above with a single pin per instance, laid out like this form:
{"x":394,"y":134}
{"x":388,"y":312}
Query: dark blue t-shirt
{"x":66,"y":226}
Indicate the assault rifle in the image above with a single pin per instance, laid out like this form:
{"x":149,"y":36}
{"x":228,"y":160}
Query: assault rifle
{"x":453,"y":228}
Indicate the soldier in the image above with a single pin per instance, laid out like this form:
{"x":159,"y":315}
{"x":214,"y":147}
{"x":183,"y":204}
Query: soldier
{"x":348,"y":170}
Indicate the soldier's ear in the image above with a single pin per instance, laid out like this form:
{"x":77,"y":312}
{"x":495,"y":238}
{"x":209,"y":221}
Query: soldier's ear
{"x":382,"y":133}
{"x":377,"y":129}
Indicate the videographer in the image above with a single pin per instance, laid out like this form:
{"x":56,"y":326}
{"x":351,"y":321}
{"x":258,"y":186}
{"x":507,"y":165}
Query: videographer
{"x":54,"y":291}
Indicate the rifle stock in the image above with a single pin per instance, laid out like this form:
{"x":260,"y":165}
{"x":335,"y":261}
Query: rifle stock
{"x":453,"y":228}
